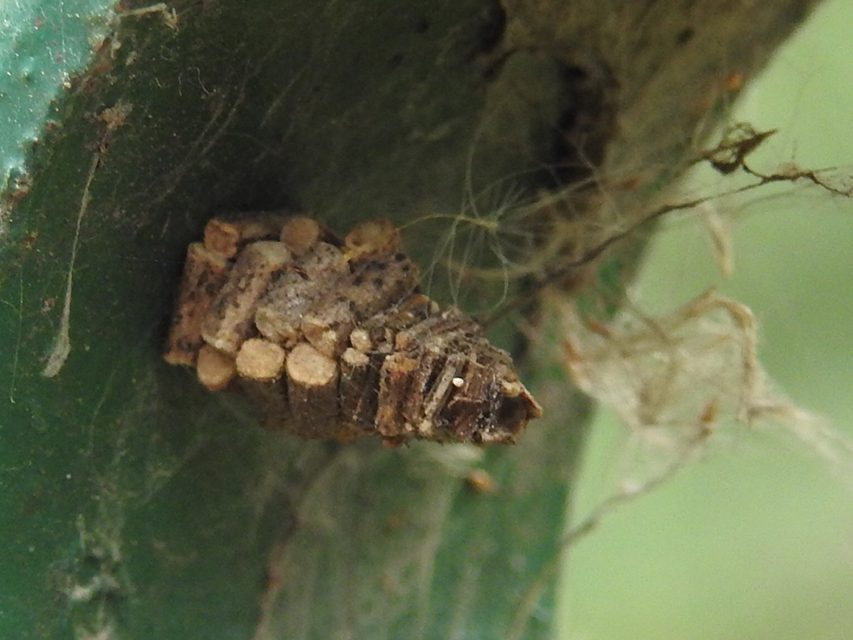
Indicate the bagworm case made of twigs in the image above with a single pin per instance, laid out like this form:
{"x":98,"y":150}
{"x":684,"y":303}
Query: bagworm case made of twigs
{"x":332,"y":340}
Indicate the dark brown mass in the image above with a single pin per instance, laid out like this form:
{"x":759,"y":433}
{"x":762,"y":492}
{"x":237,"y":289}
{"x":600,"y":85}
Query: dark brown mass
{"x":332,"y":340}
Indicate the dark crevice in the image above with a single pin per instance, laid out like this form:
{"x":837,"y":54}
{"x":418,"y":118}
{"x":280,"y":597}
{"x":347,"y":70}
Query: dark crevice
{"x":421,"y":25}
{"x":684,"y":36}
{"x":489,"y":32}
{"x":586,"y":124}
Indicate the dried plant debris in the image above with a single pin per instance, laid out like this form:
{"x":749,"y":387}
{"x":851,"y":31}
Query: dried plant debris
{"x":332,"y":340}
{"x":673,"y":379}
{"x":739,"y":140}
{"x":676,"y":380}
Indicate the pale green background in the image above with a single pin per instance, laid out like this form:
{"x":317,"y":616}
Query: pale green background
{"x":756,"y":542}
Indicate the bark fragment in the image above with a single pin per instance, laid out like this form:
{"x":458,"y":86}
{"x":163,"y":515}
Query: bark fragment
{"x":205,"y":272}
{"x":358,"y":389}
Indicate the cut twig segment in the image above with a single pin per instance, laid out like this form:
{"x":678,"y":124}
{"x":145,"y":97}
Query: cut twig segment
{"x":204,"y":275}
{"x":227,"y":237}
{"x":231,"y":317}
{"x":300,"y":234}
{"x":395,"y":378}
{"x":260,"y":360}
{"x":312,"y":386}
{"x":215,"y":370}
{"x":271,"y":400}
{"x":358,"y":389}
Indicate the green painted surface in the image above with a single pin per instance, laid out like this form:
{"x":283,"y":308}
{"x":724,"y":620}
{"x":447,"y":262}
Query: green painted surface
{"x":43,"y":44}
{"x":133,"y":503}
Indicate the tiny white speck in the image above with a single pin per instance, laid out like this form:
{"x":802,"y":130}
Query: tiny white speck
{"x":458,"y":382}
{"x":68,"y":476}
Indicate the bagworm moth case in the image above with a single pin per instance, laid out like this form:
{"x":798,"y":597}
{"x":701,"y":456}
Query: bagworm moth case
{"x":332,"y":340}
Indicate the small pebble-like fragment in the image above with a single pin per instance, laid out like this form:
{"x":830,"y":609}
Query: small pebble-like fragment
{"x":481,"y":481}
{"x":380,"y":330}
{"x":300,"y":234}
{"x":204,"y":275}
{"x":227,"y":237}
{"x":231,"y":318}
{"x":215,"y":370}
{"x":359,"y":338}
{"x":222,"y":237}
{"x":373,"y":237}
{"x":260,"y":360}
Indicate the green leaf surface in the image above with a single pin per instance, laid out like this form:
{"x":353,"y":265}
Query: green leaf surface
{"x":137,"y":505}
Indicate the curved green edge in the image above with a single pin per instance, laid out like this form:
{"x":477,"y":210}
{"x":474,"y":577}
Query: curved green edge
{"x":43,"y":45}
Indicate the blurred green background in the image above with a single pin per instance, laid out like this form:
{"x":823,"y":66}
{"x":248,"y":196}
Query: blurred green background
{"x":757,"y":541}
